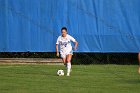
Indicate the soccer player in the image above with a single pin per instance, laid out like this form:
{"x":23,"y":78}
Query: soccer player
{"x":139,"y":62}
{"x":66,"y":50}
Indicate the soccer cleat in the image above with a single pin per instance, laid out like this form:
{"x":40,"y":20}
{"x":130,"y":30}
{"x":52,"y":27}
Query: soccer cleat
{"x":68,"y":74}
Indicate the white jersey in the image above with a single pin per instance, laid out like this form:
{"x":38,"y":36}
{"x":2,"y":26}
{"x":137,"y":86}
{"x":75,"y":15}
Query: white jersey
{"x":65,"y":43}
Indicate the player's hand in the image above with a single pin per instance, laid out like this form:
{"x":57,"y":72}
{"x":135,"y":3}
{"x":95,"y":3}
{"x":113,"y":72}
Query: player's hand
{"x":57,"y":54}
{"x":75,"y":48}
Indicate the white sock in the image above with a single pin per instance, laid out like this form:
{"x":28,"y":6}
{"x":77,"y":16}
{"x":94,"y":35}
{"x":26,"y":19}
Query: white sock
{"x":68,"y":68}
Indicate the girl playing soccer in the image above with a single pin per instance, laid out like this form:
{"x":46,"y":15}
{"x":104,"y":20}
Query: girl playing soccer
{"x":66,"y":48}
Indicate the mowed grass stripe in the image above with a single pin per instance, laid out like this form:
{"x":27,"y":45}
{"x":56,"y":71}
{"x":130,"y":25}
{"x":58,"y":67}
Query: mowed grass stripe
{"x":83,"y":79}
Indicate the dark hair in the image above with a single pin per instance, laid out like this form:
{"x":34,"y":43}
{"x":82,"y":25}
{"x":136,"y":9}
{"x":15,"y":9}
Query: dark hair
{"x":64,"y":28}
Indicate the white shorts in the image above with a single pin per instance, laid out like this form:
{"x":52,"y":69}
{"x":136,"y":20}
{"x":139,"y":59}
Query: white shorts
{"x":64,"y":54}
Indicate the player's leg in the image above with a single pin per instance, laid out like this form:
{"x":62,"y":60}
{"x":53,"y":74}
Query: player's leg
{"x":64,"y":61}
{"x":69,"y":56}
{"x":139,"y":62}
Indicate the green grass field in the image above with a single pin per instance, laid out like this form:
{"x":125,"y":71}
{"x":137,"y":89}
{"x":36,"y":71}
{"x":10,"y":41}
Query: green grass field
{"x":84,"y":79}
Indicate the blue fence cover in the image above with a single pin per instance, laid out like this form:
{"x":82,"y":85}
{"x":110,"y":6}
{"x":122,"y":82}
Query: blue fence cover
{"x":98,"y":25}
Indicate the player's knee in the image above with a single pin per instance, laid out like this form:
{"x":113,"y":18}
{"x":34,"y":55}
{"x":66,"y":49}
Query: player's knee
{"x":68,"y":60}
{"x":64,"y":60}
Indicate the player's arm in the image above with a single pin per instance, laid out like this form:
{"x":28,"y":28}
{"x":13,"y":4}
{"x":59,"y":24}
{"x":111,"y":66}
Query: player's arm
{"x":75,"y":45}
{"x":57,"y":49}
{"x":75,"y":42}
{"x":57,"y":52}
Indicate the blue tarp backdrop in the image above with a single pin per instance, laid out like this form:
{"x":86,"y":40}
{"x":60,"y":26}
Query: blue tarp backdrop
{"x":98,"y":25}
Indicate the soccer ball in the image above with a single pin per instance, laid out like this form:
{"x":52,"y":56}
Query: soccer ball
{"x":60,"y":72}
